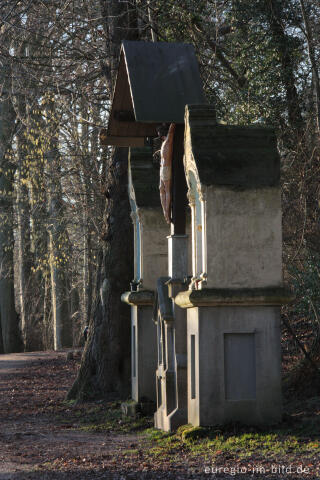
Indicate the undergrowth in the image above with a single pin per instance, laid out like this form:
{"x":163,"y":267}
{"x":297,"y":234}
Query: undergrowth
{"x":296,"y":436}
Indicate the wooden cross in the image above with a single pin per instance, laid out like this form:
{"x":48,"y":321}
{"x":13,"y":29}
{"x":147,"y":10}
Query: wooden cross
{"x":179,"y":184}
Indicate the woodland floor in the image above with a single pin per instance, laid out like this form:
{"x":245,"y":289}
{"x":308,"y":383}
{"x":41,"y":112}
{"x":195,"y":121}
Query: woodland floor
{"x":44,"y":437}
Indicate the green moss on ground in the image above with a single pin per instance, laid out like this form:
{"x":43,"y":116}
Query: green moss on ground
{"x":296,"y":438}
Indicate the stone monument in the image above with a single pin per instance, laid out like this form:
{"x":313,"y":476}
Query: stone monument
{"x":150,"y":262}
{"x":234,"y":298}
{"x":171,"y":374}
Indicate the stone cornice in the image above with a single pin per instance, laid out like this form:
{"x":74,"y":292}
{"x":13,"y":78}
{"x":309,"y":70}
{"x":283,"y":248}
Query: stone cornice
{"x":141,"y":297}
{"x":223,"y":297}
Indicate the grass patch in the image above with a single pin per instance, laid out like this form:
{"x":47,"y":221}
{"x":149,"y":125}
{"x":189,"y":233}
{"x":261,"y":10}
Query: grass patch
{"x":296,"y":438}
{"x":109,"y":418}
{"x":214,"y":442}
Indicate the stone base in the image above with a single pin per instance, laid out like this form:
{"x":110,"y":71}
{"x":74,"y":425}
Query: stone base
{"x":137,"y":409}
{"x":143,"y":344}
{"x":171,"y":374}
{"x":172,"y":409}
{"x":234,"y":369}
{"x":170,"y":422}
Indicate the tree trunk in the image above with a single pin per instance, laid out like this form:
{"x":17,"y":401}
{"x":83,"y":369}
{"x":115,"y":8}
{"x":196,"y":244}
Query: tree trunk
{"x":47,"y":323}
{"x":1,"y":342}
{"x":105,"y":365}
{"x":86,"y":270}
{"x":75,"y":315}
{"x":39,"y":301}
{"x":313,"y":62}
{"x":85,"y":166}
{"x":281,"y":41}
{"x":11,"y":335}
{"x":119,"y":23}
{"x":62,"y":328}
{"x":24,"y":255}
{"x":58,"y":241}
{"x":154,"y":36}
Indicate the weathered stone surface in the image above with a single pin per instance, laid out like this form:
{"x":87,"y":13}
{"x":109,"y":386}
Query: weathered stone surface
{"x":233,"y":316}
{"x":230,"y":155}
{"x":171,"y":373}
{"x":142,"y":297}
{"x":217,"y":297}
{"x":244,"y":237}
{"x":235,"y":201}
{"x":130,"y":409}
{"x":154,"y":248}
{"x":145,"y":177}
{"x":150,"y":250}
{"x":165,"y":303}
{"x":229,"y":385}
{"x":150,"y":228}
{"x":143,"y":353}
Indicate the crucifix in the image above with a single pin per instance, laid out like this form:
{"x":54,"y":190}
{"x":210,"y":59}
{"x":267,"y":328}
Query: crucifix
{"x":142,"y":100}
{"x":172,"y":410}
{"x":166,"y":171}
{"x":173,"y":186}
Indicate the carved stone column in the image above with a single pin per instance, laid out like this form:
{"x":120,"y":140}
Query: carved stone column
{"x":172,"y":331}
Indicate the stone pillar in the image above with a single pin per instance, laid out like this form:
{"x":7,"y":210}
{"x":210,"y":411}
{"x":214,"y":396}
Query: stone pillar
{"x":143,"y":345}
{"x":171,"y":373}
{"x":234,"y":298}
{"x":150,"y":250}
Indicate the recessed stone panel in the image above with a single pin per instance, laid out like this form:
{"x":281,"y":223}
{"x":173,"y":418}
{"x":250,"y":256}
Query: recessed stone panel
{"x":239,"y":366}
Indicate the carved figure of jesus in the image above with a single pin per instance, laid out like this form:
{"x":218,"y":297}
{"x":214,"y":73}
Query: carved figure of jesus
{"x":166,"y":172}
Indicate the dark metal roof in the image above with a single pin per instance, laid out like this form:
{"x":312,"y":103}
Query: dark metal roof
{"x":155,"y":81}
{"x":163,"y":78}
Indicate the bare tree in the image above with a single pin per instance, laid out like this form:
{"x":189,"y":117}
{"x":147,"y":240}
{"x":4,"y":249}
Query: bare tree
{"x":10,"y":340}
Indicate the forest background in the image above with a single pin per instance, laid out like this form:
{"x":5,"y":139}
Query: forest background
{"x":65,"y":234}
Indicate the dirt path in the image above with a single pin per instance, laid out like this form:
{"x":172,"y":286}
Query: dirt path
{"x":16,"y":361}
{"x":35,"y":441}
{"x":41,"y":437}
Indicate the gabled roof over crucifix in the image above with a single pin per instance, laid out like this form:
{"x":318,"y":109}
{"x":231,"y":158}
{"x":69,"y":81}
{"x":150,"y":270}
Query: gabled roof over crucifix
{"x":154,"y":83}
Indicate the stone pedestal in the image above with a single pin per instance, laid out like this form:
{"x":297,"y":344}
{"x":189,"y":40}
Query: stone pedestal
{"x":143,"y":345}
{"x":150,"y":250}
{"x":234,"y":369}
{"x":234,"y":359}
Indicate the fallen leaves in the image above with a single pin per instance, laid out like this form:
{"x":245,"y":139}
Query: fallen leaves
{"x":43,"y":433}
